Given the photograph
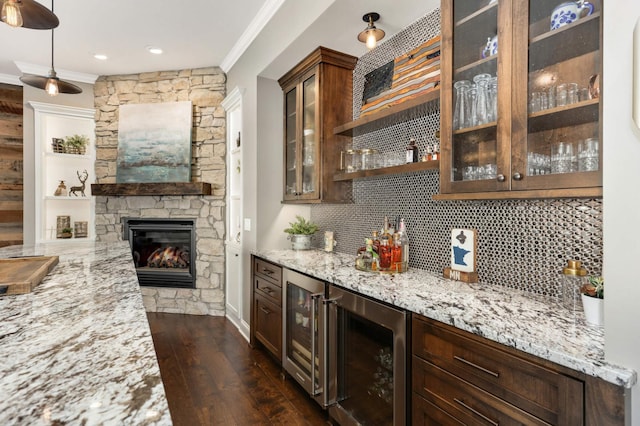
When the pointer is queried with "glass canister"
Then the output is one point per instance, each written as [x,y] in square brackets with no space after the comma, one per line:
[483,104]
[574,275]
[351,160]
[369,158]
[588,157]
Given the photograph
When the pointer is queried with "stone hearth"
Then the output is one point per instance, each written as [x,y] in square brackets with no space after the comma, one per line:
[206,89]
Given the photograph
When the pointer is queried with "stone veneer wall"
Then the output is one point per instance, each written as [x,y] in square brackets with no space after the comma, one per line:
[205,88]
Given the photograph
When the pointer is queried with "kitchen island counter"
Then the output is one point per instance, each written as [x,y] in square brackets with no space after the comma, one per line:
[524,321]
[78,349]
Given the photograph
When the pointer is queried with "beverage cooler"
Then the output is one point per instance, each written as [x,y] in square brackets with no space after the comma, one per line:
[347,351]
[303,332]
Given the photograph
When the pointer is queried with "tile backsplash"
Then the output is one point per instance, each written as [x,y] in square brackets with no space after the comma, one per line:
[522,244]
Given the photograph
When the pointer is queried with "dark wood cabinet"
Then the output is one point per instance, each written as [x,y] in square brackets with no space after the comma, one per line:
[459,377]
[266,306]
[318,95]
[511,154]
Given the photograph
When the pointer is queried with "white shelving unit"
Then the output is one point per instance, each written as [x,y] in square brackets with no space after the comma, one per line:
[58,121]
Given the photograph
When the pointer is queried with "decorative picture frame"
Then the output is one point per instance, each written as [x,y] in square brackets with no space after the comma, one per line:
[464,244]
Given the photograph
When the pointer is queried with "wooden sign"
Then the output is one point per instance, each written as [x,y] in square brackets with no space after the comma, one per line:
[464,244]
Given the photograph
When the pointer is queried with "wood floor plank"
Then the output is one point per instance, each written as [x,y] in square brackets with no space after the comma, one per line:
[213,377]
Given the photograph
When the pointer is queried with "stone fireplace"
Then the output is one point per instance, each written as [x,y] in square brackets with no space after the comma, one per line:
[206,89]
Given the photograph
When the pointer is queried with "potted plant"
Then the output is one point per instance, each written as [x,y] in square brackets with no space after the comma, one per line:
[76,144]
[300,233]
[592,293]
[66,233]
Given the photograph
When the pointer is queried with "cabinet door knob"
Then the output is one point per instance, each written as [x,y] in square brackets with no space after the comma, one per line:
[500,178]
[517,176]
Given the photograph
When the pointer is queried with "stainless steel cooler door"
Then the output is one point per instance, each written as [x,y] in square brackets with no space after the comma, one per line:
[303,332]
[368,360]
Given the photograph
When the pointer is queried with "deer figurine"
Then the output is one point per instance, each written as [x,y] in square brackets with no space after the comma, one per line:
[83,178]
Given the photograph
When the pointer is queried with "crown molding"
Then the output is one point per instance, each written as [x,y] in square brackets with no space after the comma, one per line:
[10,79]
[27,68]
[264,15]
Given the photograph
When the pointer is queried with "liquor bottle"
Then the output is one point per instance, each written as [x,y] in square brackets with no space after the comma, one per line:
[396,253]
[412,151]
[384,253]
[404,241]
[375,241]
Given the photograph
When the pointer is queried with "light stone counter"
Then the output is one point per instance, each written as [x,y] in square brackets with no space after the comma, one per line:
[514,318]
[78,349]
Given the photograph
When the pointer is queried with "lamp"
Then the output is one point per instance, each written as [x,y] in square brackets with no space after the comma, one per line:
[28,14]
[51,83]
[371,35]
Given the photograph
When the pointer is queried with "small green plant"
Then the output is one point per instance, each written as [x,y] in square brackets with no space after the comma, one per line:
[301,227]
[76,143]
[67,230]
[594,287]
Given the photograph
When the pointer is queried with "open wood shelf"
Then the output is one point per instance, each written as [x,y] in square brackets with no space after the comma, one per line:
[142,189]
[405,111]
[403,168]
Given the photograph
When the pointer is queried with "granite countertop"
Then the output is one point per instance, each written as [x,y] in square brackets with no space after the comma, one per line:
[521,320]
[78,349]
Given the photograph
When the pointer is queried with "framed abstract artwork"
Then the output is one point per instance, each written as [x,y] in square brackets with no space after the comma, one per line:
[154,143]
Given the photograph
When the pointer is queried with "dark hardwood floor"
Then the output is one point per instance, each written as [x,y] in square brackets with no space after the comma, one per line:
[213,377]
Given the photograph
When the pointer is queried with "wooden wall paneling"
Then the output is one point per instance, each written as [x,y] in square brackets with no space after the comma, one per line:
[11,165]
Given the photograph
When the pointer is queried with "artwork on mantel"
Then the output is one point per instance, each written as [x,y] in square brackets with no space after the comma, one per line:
[154,143]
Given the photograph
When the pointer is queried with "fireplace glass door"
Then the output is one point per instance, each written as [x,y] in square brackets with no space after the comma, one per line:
[162,251]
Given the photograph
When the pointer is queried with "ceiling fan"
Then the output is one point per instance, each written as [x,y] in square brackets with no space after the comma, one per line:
[28,14]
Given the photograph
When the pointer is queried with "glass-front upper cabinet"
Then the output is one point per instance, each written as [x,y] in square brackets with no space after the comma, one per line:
[520,106]
[317,98]
[474,56]
[560,146]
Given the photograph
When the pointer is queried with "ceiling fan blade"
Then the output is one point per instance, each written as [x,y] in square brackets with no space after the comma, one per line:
[36,16]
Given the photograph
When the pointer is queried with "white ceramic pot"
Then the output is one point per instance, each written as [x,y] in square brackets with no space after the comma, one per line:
[593,310]
[569,12]
[300,242]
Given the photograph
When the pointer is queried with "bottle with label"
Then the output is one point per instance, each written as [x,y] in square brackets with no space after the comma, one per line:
[396,253]
[412,151]
[384,253]
[404,242]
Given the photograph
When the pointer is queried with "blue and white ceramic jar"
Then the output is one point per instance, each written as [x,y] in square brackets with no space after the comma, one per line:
[569,12]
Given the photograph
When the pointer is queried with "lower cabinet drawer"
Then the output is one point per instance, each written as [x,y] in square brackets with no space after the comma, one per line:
[269,289]
[424,413]
[536,389]
[268,324]
[462,401]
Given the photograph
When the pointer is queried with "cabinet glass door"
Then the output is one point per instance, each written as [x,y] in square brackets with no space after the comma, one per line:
[562,145]
[291,146]
[471,110]
[309,137]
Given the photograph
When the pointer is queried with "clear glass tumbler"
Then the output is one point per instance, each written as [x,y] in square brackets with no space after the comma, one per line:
[462,108]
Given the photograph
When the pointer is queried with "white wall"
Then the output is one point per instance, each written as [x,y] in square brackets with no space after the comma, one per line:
[621,194]
[82,100]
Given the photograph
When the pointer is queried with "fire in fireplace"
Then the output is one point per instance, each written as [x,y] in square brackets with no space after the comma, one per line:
[163,250]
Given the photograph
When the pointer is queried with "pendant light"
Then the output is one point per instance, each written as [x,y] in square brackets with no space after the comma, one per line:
[51,83]
[28,14]
[371,35]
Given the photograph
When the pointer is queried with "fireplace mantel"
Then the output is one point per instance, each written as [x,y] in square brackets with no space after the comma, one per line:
[138,189]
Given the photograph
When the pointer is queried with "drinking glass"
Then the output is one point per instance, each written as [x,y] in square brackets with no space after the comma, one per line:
[561,94]
[572,93]
[588,158]
[462,108]
[562,158]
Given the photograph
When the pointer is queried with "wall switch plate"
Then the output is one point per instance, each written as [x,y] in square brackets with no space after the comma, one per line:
[247,224]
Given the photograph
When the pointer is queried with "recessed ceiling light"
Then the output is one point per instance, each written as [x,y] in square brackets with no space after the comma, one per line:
[154,50]
[101,56]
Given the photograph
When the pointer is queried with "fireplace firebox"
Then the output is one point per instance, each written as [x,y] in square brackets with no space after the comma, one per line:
[163,250]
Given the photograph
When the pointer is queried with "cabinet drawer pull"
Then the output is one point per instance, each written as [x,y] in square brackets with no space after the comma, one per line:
[476,412]
[265,310]
[268,289]
[469,363]
[268,271]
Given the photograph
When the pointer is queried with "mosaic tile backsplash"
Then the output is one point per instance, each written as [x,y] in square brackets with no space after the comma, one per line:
[522,244]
